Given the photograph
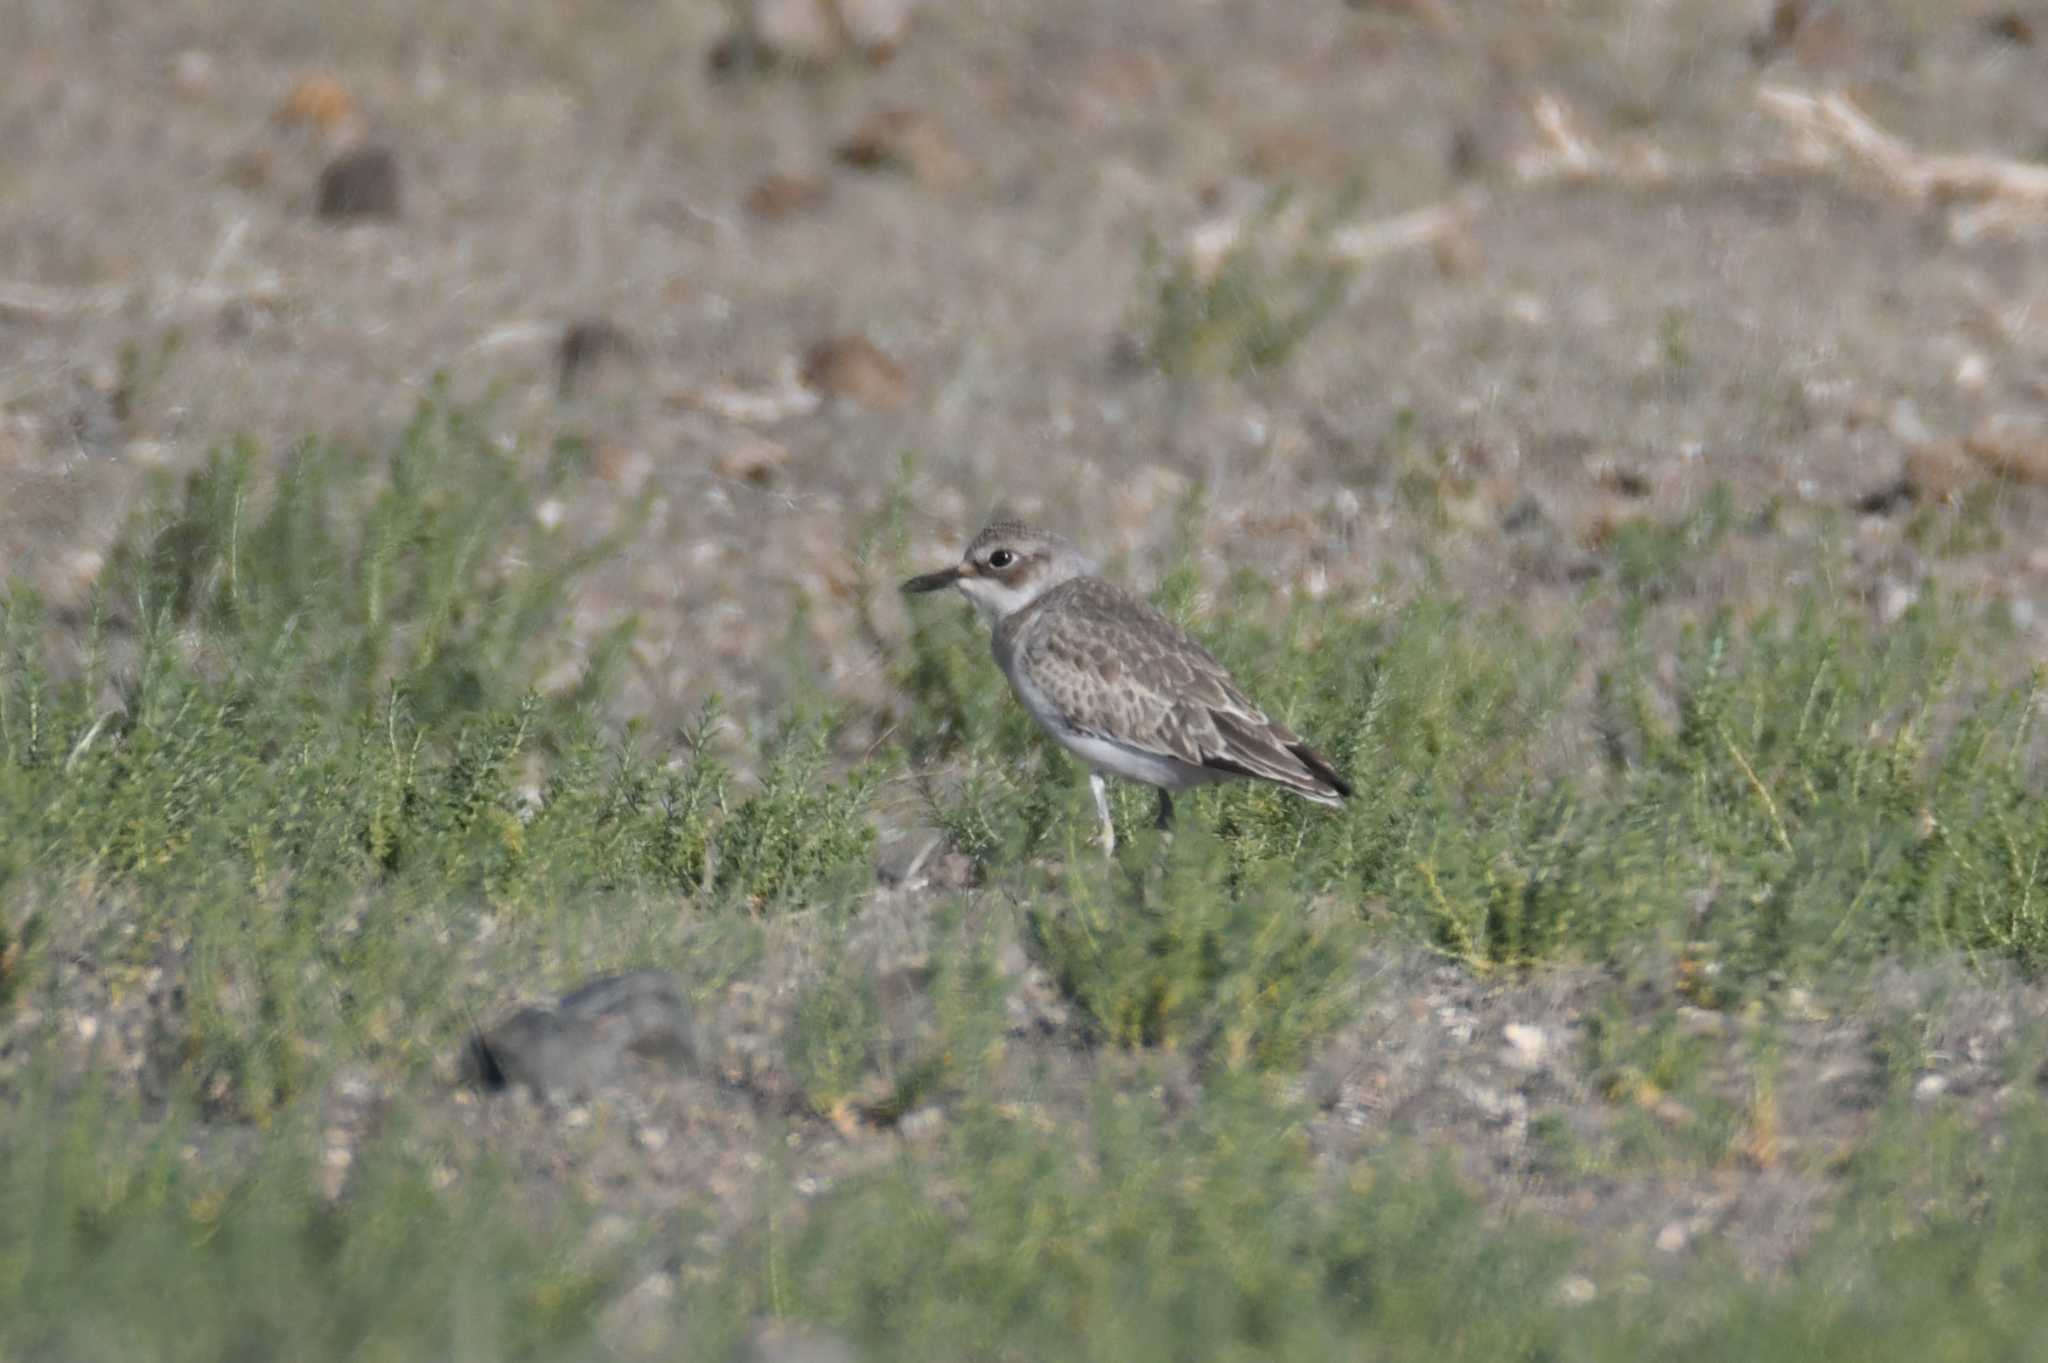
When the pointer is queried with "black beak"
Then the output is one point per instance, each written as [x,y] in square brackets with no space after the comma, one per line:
[934,582]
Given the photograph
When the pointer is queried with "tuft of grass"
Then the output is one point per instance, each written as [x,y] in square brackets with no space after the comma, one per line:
[1139,1236]
[429,574]
[328,767]
[1189,955]
[1252,310]
[114,1244]
[884,1045]
[802,835]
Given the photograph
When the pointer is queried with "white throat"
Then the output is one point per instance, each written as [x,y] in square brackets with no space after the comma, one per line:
[998,600]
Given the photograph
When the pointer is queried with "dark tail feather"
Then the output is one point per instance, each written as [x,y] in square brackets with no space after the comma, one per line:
[1320,769]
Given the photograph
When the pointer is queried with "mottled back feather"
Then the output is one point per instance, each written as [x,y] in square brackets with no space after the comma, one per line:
[1117,669]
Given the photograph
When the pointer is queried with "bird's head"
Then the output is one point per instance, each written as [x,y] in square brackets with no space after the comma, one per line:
[1007,567]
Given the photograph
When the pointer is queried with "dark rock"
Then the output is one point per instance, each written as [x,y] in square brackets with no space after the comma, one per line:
[1525,514]
[855,368]
[360,184]
[2010,26]
[585,345]
[582,1044]
[1883,501]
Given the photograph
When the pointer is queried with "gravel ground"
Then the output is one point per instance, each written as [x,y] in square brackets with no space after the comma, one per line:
[1698,301]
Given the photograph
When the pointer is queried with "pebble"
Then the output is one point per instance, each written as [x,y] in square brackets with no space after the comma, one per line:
[360,184]
[1528,1044]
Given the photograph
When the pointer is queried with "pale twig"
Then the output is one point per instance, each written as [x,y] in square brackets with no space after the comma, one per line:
[26,302]
[1368,241]
[2003,195]
[1564,152]
[789,396]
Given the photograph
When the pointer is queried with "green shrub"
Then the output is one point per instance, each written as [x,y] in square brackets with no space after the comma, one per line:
[1192,958]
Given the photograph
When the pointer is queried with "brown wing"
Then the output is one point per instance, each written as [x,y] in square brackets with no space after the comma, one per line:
[1118,669]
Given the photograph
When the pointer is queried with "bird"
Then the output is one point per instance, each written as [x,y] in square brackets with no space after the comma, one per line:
[1115,682]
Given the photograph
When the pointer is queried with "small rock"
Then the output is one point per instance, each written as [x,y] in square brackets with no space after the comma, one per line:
[876,27]
[1937,471]
[360,184]
[1621,479]
[797,33]
[753,459]
[903,863]
[956,871]
[1577,1290]
[2010,26]
[1698,1021]
[1891,497]
[627,465]
[854,367]
[1973,372]
[807,35]
[903,139]
[192,71]
[587,344]
[581,1045]
[1895,600]
[1929,1087]
[2013,447]
[639,1322]
[1523,515]
[319,102]
[782,196]
[922,1124]
[1527,1045]
[651,1138]
[1816,32]
[1673,1238]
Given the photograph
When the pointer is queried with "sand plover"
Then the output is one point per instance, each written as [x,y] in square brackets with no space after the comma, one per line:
[1116,683]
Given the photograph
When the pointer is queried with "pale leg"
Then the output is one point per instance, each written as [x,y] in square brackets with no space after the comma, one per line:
[1101,789]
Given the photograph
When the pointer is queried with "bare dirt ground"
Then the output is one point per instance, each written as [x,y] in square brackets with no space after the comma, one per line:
[1694,295]
[1697,299]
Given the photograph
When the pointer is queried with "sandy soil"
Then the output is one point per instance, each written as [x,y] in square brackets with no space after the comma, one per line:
[1702,303]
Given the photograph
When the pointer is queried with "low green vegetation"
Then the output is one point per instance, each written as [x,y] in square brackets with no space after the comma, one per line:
[115,1244]
[1139,1236]
[305,787]
[1250,310]
[1773,795]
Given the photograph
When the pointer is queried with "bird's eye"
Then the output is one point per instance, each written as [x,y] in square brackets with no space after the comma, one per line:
[1000,559]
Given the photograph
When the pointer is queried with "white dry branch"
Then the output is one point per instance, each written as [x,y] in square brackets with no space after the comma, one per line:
[1428,226]
[1563,151]
[1987,194]
[167,299]
[786,396]
[1434,225]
